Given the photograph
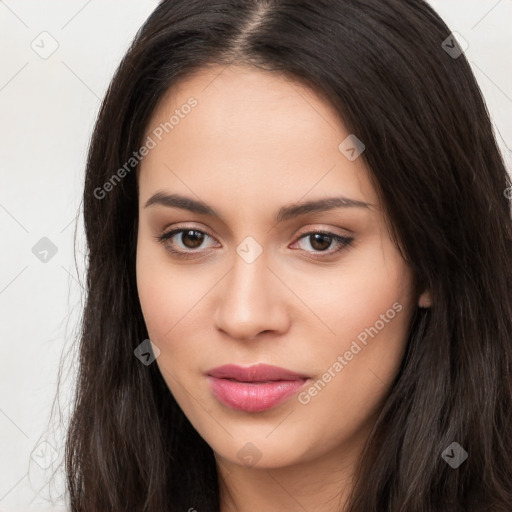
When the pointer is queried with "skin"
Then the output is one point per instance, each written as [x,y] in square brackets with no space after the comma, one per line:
[255,142]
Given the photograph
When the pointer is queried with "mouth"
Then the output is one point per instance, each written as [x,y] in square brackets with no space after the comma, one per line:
[255,388]
[255,373]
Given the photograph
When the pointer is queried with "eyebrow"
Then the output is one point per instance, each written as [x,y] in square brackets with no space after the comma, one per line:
[284,213]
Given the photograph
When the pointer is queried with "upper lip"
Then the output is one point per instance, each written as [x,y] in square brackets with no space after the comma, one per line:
[255,373]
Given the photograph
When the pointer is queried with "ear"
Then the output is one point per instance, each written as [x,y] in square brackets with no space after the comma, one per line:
[425,299]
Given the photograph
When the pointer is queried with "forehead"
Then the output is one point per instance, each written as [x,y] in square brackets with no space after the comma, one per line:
[250,132]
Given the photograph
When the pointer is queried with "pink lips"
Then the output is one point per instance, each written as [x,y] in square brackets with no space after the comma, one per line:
[254,388]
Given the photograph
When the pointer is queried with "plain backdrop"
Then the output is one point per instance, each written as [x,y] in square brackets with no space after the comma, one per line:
[48,105]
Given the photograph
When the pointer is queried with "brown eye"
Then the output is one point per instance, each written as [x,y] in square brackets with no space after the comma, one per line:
[321,241]
[195,237]
[183,245]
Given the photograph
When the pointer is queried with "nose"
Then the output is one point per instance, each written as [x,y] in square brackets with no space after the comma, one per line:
[251,300]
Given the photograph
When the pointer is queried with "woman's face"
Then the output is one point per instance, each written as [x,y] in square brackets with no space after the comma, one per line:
[253,279]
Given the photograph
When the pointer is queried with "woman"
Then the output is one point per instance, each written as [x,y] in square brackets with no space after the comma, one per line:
[299,268]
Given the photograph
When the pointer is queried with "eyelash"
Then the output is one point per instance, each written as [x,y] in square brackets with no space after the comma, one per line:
[164,239]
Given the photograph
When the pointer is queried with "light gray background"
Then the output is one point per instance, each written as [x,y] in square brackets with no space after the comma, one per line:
[48,107]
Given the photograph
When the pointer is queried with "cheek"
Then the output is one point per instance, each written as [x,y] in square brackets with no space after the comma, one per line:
[369,313]
[153,294]
[170,299]
[161,296]
[352,381]
[167,302]
[357,296]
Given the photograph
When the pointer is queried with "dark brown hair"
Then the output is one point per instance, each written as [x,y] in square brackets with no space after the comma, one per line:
[437,169]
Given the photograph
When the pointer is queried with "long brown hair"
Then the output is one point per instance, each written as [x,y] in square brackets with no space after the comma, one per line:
[437,169]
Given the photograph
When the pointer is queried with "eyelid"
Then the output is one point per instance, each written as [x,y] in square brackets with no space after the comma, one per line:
[177,228]
[324,230]
[304,231]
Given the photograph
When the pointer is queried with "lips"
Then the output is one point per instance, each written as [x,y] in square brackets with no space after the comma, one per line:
[256,373]
[255,388]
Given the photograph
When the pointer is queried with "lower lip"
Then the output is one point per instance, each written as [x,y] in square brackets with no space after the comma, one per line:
[253,397]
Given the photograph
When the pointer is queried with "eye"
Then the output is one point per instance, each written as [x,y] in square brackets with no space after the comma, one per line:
[190,239]
[320,241]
